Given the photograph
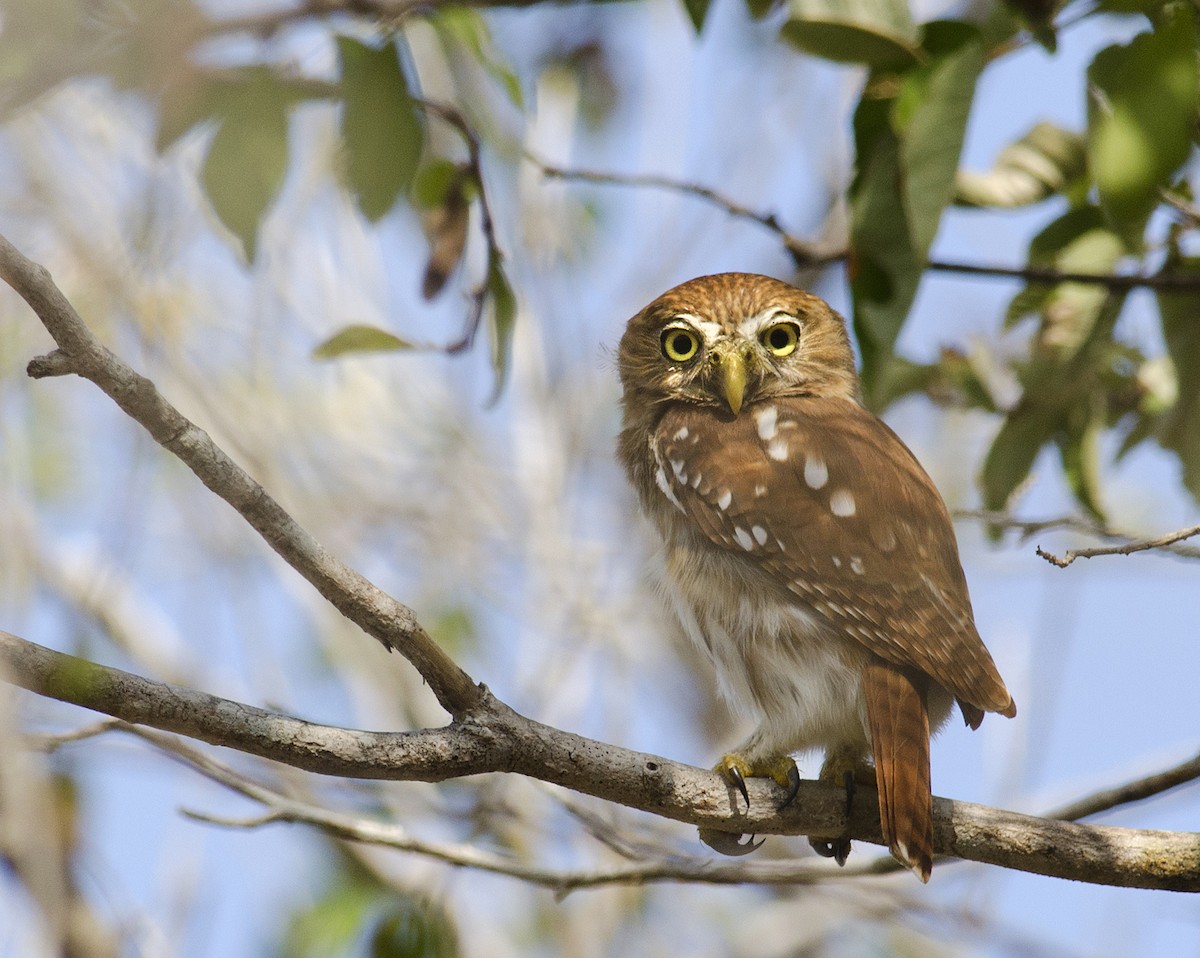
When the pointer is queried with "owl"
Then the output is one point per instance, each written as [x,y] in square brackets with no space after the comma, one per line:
[807,553]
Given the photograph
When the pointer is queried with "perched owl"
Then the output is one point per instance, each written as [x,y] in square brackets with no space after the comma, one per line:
[807,553]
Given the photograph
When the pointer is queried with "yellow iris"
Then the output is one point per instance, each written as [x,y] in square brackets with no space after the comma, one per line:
[780,339]
[680,345]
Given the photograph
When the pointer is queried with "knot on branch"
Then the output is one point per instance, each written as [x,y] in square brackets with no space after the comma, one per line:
[56,363]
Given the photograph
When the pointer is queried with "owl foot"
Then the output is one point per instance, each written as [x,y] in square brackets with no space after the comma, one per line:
[851,769]
[782,771]
[727,843]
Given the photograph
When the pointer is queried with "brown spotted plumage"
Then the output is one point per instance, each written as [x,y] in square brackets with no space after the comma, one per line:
[807,552]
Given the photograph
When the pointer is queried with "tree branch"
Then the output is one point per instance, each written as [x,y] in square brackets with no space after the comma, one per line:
[808,255]
[378,614]
[1136,791]
[1171,538]
[494,738]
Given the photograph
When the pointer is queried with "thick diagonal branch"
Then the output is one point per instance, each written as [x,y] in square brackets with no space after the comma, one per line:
[377,613]
[494,738]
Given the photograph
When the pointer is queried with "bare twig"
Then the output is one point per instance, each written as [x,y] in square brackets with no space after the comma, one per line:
[1136,791]
[493,738]
[1028,528]
[808,255]
[1144,545]
[80,353]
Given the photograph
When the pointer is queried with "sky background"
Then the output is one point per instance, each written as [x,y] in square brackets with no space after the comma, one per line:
[517,513]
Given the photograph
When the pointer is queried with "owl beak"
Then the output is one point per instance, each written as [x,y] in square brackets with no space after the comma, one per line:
[733,379]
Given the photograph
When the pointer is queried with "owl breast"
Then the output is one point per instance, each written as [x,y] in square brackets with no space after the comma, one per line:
[774,659]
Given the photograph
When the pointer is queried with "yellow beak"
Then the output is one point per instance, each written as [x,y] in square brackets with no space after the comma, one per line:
[733,380]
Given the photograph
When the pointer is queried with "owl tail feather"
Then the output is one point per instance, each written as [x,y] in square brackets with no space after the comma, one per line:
[899,723]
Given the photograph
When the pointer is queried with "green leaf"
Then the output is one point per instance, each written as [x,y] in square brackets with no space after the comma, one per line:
[1045,161]
[884,270]
[879,33]
[1013,451]
[696,10]
[502,317]
[1079,447]
[1141,118]
[413,929]
[359,339]
[330,925]
[931,113]
[434,181]
[382,128]
[470,30]
[1180,430]
[247,159]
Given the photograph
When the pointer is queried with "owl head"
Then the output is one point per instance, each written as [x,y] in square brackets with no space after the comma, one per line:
[731,339]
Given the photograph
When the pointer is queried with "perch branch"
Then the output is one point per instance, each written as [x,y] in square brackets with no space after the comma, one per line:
[1128,548]
[80,353]
[494,738]
[1027,528]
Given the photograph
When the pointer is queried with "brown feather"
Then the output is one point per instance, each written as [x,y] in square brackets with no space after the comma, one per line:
[899,723]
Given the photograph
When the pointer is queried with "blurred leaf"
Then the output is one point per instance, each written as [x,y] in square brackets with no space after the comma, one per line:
[468,28]
[382,128]
[1180,430]
[1012,453]
[434,181]
[884,270]
[1141,117]
[445,229]
[1038,17]
[1079,447]
[879,33]
[502,317]
[247,159]
[931,113]
[331,924]
[359,339]
[696,10]
[760,8]
[1045,161]
[413,929]
[454,630]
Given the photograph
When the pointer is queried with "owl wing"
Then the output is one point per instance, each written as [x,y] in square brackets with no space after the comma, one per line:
[824,497]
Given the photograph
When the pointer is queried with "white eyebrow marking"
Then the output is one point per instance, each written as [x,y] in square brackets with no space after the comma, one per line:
[760,534]
[766,418]
[816,473]
[682,434]
[724,499]
[743,538]
[841,503]
[777,449]
[660,476]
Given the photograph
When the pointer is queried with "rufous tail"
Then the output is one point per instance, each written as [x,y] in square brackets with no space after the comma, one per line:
[899,721]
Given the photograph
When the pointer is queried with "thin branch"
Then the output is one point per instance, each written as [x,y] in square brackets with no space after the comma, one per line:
[493,738]
[1162,542]
[1136,791]
[1028,528]
[80,353]
[809,255]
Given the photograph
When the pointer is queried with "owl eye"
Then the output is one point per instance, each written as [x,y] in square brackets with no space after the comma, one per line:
[780,339]
[679,345]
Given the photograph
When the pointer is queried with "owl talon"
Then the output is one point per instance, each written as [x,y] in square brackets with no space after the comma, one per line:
[838,849]
[739,782]
[793,786]
[727,843]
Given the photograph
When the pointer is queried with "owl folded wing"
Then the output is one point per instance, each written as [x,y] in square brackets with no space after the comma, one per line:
[825,498]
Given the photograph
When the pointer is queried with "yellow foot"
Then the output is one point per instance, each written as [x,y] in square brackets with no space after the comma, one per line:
[782,771]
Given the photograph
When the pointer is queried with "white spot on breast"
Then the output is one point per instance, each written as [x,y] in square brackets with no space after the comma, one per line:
[660,477]
[841,503]
[816,473]
[856,565]
[766,418]
[759,491]
[777,449]
[760,534]
[724,498]
[682,434]
[743,538]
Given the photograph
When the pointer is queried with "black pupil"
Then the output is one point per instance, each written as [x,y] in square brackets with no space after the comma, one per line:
[681,344]
[779,338]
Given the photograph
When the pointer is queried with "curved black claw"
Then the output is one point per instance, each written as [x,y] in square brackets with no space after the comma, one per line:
[851,784]
[728,843]
[793,786]
[838,849]
[739,782]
